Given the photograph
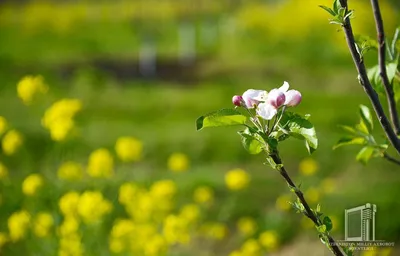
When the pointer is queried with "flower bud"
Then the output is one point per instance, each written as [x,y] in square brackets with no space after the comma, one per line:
[276,98]
[237,100]
[293,98]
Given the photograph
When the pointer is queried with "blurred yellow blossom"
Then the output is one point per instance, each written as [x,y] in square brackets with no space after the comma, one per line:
[71,245]
[69,226]
[247,226]
[155,246]
[101,163]
[328,185]
[31,184]
[127,192]
[282,202]
[308,166]
[3,125]
[237,179]
[312,195]
[163,189]
[70,171]
[29,86]
[3,239]
[92,206]
[203,194]
[269,239]
[122,227]
[116,245]
[18,224]
[178,162]
[251,247]
[3,171]
[214,230]
[129,149]
[58,118]
[11,142]
[190,213]
[42,224]
[175,230]
[68,203]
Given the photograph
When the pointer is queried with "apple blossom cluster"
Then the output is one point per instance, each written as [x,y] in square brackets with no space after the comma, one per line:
[268,103]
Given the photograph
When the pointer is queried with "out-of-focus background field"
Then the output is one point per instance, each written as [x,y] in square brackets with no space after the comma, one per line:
[116,167]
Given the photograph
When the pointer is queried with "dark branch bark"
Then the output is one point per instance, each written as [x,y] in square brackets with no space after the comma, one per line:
[391,159]
[308,212]
[382,66]
[363,78]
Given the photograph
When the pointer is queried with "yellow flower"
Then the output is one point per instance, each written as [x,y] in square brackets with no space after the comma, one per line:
[269,239]
[178,162]
[31,184]
[3,239]
[328,185]
[127,192]
[203,194]
[251,248]
[42,224]
[3,171]
[92,206]
[308,166]
[175,230]
[69,227]
[163,189]
[11,142]
[214,230]
[282,202]
[190,213]
[237,179]
[68,203]
[247,226]
[101,163]
[58,118]
[18,224]
[71,245]
[3,125]
[312,195]
[70,171]
[129,149]
[155,246]
[122,227]
[116,245]
[29,86]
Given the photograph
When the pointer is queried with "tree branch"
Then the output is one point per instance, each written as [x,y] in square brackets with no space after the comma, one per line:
[391,159]
[365,83]
[382,66]
[308,212]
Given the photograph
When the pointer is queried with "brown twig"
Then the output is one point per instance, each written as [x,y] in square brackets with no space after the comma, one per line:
[307,210]
[365,83]
[391,159]
[382,66]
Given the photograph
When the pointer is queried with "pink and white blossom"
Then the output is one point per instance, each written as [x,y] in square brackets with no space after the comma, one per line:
[237,100]
[253,97]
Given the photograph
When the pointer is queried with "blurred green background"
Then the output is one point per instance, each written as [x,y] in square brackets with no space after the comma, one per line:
[148,69]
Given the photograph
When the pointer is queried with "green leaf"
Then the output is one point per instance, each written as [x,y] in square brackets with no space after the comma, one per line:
[328,223]
[365,154]
[366,117]
[321,229]
[329,10]
[375,77]
[300,127]
[251,142]
[349,140]
[223,117]
[318,208]
[349,130]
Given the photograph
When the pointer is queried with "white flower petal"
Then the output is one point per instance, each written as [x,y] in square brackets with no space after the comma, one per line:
[251,97]
[284,87]
[266,111]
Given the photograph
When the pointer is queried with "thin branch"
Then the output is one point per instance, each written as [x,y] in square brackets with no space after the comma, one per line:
[365,83]
[382,66]
[308,212]
[391,159]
